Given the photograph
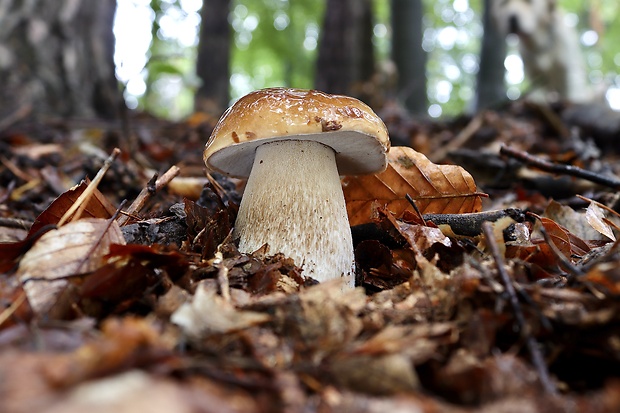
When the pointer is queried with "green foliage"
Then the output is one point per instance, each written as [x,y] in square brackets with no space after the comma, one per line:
[170,79]
[276,44]
[452,34]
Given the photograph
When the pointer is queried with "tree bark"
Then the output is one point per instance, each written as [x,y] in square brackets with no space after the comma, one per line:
[57,57]
[490,88]
[346,56]
[212,66]
[408,54]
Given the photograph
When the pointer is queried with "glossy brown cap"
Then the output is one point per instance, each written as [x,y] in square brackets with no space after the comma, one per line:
[357,135]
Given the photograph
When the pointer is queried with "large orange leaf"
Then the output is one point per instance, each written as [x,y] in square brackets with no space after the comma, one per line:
[436,189]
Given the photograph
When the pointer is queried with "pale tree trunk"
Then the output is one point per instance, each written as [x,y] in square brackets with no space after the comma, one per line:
[212,66]
[57,58]
[346,57]
[491,89]
[408,54]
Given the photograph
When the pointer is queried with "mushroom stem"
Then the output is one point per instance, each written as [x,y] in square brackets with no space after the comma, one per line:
[293,201]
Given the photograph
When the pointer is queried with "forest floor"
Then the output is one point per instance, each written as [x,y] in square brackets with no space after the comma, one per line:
[154,309]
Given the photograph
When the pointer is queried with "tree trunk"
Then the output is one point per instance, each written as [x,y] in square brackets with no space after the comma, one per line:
[57,57]
[346,56]
[490,88]
[212,66]
[408,55]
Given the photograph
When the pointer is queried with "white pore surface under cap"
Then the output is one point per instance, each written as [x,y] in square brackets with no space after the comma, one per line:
[293,201]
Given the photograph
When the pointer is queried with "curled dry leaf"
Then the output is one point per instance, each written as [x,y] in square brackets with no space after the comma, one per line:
[209,313]
[595,216]
[438,189]
[568,244]
[419,237]
[573,220]
[73,249]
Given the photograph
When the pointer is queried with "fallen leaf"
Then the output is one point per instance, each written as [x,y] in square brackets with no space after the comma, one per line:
[124,343]
[594,216]
[10,252]
[73,249]
[420,236]
[382,374]
[208,313]
[438,189]
[573,221]
[477,380]
[97,206]
[569,244]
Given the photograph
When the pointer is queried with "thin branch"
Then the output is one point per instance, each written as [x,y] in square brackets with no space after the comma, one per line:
[8,312]
[15,116]
[531,343]
[459,140]
[570,170]
[15,223]
[154,185]
[415,208]
[573,271]
[97,244]
[78,206]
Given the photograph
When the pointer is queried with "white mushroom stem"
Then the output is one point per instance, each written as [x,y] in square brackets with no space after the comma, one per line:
[293,201]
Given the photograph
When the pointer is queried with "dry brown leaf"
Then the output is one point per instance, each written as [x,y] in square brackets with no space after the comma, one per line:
[419,237]
[569,244]
[572,220]
[97,206]
[209,313]
[437,189]
[383,374]
[595,216]
[73,249]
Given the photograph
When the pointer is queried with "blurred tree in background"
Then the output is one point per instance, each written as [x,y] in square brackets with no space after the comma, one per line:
[408,54]
[56,59]
[277,43]
[346,57]
[213,60]
[60,52]
[490,88]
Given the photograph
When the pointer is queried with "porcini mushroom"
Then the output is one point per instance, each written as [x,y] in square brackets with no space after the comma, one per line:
[293,145]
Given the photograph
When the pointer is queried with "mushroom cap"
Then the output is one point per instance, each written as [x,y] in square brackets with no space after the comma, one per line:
[350,127]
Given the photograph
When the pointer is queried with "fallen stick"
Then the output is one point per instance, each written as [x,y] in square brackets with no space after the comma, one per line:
[570,170]
[151,188]
[79,205]
[532,346]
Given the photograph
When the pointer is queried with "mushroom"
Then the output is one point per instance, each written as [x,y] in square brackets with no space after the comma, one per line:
[293,145]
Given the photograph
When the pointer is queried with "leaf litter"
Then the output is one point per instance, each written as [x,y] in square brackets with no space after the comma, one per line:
[445,318]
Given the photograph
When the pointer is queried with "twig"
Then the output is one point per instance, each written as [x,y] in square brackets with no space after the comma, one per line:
[551,117]
[415,208]
[7,313]
[459,140]
[222,274]
[96,245]
[532,346]
[570,170]
[80,204]
[15,223]
[573,271]
[147,192]
[15,170]
[217,188]
[15,116]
